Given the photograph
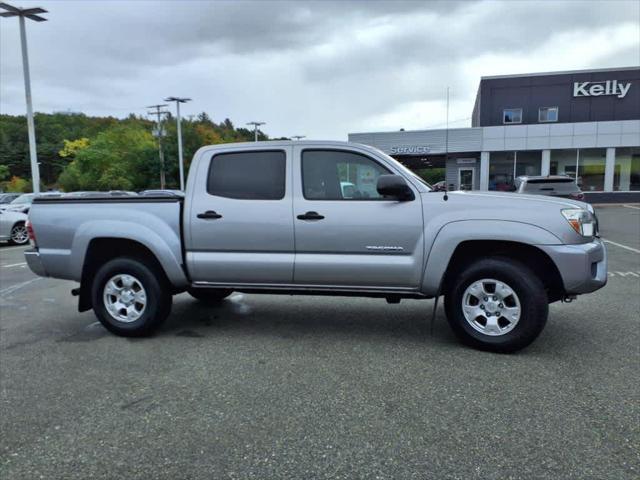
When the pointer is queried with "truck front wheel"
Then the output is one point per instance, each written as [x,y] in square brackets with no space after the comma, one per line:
[497,304]
[130,297]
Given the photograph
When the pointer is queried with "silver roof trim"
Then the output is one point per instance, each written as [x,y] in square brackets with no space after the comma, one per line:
[564,72]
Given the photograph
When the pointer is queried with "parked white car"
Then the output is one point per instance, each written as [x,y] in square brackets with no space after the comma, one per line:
[13,227]
[20,204]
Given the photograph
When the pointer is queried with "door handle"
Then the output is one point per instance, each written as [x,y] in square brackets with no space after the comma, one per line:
[209,215]
[310,216]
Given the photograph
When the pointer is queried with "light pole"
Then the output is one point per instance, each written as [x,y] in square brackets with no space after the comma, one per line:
[30,13]
[255,129]
[298,137]
[178,101]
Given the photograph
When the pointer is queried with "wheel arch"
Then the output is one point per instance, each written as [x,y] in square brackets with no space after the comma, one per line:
[459,243]
[103,249]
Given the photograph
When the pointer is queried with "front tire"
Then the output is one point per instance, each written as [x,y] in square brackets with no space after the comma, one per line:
[130,297]
[19,234]
[497,304]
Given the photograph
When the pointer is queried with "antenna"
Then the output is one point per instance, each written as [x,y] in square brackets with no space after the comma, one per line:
[446,150]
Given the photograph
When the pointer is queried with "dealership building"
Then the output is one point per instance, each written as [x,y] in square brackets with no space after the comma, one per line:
[584,123]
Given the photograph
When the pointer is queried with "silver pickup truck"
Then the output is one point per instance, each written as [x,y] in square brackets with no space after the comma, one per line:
[273,217]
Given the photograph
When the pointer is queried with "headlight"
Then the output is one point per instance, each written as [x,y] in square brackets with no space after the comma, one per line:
[582,221]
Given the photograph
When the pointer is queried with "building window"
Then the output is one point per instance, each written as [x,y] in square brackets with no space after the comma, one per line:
[512,115]
[248,175]
[548,114]
[505,167]
[626,175]
[590,163]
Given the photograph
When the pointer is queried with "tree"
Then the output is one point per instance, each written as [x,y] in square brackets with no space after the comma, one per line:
[4,172]
[72,147]
[120,158]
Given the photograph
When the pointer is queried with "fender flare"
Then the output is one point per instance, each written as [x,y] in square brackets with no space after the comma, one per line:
[163,243]
[452,234]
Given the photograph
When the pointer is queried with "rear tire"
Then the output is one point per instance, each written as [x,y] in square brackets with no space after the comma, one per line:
[497,304]
[210,296]
[130,297]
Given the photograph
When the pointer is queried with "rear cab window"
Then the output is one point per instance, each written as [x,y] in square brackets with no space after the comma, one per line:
[256,175]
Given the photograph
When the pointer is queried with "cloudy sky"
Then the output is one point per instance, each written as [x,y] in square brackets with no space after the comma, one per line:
[320,69]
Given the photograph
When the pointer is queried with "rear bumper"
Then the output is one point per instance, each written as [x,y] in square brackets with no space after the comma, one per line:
[34,261]
[583,267]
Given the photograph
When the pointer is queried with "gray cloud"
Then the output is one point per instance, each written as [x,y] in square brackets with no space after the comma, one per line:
[318,68]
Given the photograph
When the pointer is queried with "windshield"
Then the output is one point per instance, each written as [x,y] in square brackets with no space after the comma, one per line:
[28,198]
[406,170]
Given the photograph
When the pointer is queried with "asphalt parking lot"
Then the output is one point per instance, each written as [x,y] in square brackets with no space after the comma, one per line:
[319,387]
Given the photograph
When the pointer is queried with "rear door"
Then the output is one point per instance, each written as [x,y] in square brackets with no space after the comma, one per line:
[346,233]
[240,221]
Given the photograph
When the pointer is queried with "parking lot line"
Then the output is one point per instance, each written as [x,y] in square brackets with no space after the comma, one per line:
[8,249]
[621,246]
[18,286]
[13,265]
[631,206]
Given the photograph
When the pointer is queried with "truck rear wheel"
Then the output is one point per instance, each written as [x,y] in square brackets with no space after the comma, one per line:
[497,304]
[210,295]
[130,298]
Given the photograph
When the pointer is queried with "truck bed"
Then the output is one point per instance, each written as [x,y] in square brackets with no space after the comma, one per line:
[64,227]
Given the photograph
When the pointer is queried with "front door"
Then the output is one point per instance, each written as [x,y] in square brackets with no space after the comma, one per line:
[240,226]
[346,233]
[465,178]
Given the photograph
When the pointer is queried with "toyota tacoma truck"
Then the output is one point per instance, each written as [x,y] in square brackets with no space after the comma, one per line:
[273,217]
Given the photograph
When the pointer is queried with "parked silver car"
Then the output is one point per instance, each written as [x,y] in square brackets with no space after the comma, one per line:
[6,198]
[552,185]
[13,227]
[20,204]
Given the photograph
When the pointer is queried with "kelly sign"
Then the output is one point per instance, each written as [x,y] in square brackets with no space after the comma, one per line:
[596,89]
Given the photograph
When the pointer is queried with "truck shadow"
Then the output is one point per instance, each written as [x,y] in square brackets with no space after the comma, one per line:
[297,316]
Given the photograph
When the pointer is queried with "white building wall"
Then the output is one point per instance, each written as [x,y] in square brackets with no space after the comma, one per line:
[544,137]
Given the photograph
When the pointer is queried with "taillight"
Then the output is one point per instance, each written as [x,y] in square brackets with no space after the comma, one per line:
[32,235]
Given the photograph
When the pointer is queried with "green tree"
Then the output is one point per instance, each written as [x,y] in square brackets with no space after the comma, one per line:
[4,172]
[122,157]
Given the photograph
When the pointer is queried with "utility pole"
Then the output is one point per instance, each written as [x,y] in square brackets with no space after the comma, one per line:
[255,129]
[30,13]
[159,132]
[300,137]
[178,101]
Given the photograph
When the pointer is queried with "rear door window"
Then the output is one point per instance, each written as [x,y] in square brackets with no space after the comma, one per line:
[258,175]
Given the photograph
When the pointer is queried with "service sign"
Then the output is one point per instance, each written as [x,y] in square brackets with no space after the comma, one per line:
[410,149]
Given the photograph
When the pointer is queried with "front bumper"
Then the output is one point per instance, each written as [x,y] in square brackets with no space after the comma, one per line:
[34,261]
[583,267]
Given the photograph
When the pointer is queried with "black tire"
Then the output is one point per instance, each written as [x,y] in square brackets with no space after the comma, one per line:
[18,228]
[158,296]
[210,296]
[523,281]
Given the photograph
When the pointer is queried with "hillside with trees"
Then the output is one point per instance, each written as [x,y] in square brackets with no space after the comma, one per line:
[78,152]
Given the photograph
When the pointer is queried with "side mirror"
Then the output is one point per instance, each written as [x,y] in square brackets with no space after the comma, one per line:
[394,186]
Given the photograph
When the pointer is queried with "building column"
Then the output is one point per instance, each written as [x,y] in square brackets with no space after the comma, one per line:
[609,169]
[545,167]
[484,170]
